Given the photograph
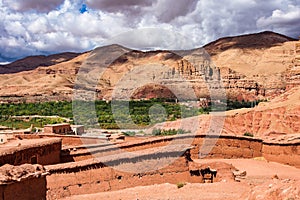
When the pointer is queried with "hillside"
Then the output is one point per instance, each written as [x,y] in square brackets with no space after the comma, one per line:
[249,67]
[32,62]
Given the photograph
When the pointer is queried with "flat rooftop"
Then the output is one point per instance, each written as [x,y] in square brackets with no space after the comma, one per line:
[53,125]
[17,145]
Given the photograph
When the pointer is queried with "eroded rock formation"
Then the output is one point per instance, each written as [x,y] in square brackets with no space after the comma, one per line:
[257,66]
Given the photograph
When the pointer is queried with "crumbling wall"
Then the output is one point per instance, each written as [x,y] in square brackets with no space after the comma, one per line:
[25,182]
[43,152]
[288,154]
[219,147]
[99,179]
[67,140]
[119,171]
[223,146]
[30,189]
[226,147]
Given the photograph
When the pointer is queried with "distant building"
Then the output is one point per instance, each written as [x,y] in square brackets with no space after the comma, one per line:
[63,129]
[77,129]
[3,138]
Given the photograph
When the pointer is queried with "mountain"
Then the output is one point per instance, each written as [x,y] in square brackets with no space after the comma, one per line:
[248,67]
[32,62]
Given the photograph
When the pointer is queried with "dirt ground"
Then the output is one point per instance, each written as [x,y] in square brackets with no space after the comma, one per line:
[264,180]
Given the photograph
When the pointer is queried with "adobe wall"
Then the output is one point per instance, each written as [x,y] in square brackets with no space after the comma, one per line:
[25,182]
[58,128]
[46,151]
[67,140]
[99,179]
[221,147]
[29,189]
[91,176]
[226,147]
[288,154]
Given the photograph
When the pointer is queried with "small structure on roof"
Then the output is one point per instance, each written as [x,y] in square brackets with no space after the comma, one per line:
[78,129]
[3,138]
[63,129]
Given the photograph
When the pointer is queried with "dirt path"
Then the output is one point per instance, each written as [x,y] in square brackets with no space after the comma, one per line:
[216,191]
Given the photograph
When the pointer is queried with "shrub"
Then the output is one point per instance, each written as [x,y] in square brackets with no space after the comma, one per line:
[156,132]
[180,185]
[129,133]
[160,132]
[248,134]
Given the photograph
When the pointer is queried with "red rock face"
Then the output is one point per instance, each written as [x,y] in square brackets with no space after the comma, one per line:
[276,189]
[263,123]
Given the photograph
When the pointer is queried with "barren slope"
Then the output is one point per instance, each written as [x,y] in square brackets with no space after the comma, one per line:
[255,66]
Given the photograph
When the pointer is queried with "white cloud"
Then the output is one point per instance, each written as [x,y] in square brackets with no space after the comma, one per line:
[284,20]
[37,27]
[152,38]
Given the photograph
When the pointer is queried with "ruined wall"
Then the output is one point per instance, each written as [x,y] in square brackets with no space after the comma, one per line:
[147,167]
[67,140]
[25,182]
[226,147]
[107,174]
[80,181]
[30,189]
[219,147]
[288,154]
[44,153]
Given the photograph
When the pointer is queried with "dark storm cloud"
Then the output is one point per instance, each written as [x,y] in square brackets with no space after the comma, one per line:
[119,6]
[167,10]
[38,5]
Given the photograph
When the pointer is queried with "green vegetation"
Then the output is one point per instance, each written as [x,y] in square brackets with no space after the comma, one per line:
[141,113]
[231,105]
[129,133]
[160,132]
[63,109]
[138,112]
[180,185]
[248,134]
[25,123]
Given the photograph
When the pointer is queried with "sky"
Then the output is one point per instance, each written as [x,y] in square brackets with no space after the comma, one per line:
[35,27]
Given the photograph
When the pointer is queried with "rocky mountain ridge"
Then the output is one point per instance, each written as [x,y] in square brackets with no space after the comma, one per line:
[249,67]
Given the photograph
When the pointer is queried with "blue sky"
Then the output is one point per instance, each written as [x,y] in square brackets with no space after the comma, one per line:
[32,27]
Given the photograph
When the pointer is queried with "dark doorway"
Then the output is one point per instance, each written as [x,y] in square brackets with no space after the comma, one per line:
[33,160]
